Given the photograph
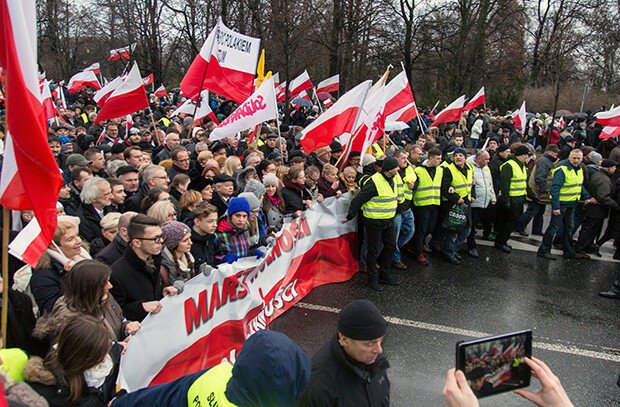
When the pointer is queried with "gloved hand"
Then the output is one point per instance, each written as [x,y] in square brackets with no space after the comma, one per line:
[230,258]
[179,285]
[206,269]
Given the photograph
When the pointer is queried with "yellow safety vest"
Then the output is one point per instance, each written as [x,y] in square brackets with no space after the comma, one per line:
[462,184]
[573,182]
[165,121]
[209,389]
[410,176]
[84,117]
[429,189]
[518,181]
[260,142]
[382,206]
[14,360]
[377,151]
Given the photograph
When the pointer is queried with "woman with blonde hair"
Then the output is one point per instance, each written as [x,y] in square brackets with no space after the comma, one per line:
[163,211]
[188,202]
[232,165]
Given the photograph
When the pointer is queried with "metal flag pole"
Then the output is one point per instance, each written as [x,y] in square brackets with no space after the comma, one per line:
[5,271]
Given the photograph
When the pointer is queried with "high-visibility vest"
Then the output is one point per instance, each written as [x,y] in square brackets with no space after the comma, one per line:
[382,206]
[429,189]
[462,184]
[410,176]
[84,117]
[165,121]
[210,388]
[573,182]
[260,142]
[518,181]
[377,150]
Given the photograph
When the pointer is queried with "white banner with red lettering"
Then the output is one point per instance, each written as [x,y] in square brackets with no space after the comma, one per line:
[211,319]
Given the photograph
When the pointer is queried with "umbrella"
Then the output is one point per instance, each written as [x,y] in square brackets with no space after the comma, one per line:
[579,116]
[530,116]
[301,102]
[563,113]
[390,126]
[323,95]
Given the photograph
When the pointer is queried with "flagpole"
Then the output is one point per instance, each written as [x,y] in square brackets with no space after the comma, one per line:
[154,126]
[316,97]
[5,272]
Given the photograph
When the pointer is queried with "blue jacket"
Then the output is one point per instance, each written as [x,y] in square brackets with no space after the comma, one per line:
[271,370]
[558,181]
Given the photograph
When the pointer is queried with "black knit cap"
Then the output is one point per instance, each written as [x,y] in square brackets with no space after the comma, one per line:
[389,163]
[361,320]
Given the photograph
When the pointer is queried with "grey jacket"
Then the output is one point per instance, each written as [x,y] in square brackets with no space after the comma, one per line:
[540,181]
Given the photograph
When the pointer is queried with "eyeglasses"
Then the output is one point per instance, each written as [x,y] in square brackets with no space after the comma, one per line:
[162,177]
[172,214]
[156,239]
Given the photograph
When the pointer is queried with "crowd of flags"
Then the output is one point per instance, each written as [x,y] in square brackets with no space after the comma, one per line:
[227,64]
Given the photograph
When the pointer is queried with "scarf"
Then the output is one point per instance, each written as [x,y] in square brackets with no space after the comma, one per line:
[274,200]
[293,186]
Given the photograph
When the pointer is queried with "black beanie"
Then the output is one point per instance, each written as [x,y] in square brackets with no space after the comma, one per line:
[361,320]
[503,147]
[521,150]
[389,163]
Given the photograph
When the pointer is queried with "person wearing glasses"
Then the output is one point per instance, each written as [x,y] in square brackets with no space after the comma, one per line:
[136,282]
[153,176]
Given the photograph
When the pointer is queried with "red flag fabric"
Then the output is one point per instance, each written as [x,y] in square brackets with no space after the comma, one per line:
[452,113]
[281,92]
[83,80]
[30,176]
[104,93]
[148,80]
[609,117]
[331,84]
[122,53]
[128,98]
[161,92]
[476,101]
[96,68]
[520,116]
[399,105]
[337,120]
[609,132]
[49,107]
[299,84]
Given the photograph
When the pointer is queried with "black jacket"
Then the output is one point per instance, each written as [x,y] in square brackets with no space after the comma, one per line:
[337,380]
[219,203]
[294,199]
[22,322]
[204,249]
[46,285]
[90,229]
[113,251]
[133,283]
[133,203]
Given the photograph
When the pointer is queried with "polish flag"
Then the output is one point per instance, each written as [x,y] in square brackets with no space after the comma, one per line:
[609,118]
[399,105]
[59,93]
[260,107]
[128,98]
[299,84]
[331,84]
[476,101]
[104,93]
[148,80]
[189,107]
[122,53]
[452,113]
[304,95]
[95,68]
[520,116]
[161,92]
[83,80]
[340,119]
[372,120]
[609,132]
[225,65]
[281,92]
[276,79]
[30,176]
[48,102]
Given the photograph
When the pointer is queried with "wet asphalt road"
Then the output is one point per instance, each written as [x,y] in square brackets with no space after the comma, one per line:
[575,331]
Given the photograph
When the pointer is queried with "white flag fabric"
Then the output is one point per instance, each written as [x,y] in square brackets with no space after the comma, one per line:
[260,107]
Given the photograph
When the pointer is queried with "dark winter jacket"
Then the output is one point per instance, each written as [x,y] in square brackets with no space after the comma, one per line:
[46,282]
[220,204]
[602,187]
[204,249]
[113,251]
[90,229]
[294,196]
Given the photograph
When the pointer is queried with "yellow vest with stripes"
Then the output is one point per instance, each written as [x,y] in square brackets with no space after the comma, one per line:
[410,176]
[209,389]
[462,184]
[382,206]
[518,181]
[573,182]
[429,189]
[84,117]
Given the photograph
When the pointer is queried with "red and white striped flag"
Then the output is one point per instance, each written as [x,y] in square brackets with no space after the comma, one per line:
[49,107]
[476,101]
[161,92]
[281,92]
[122,53]
[299,84]
[148,79]
[609,118]
[96,68]
[399,105]
[82,80]
[128,98]
[520,116]
[226,65]
[30,176]
[609,132]
[104,93]
[331,84]
[199,112]
[452,113]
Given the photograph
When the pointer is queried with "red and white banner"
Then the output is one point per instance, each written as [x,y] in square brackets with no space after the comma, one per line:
[122,53]
[399,105]
[214,315]
[128,98]
[520,116]
[341,118]
[49,107]
[331,84]
[148,80]
[260,107]
[476,101]
[161,92]
[96,68]
[299,84]
[609,132]
[225,65]
[198,112]
[610,117]
[102,95]
[452,113]
[30,176]
[83,80]
[281,92]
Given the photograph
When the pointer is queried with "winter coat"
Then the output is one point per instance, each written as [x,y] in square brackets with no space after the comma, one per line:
[135,282]
[113,251]
[46,282]
[90,229]
[294,196]
[338,381]
[19,392]
[539,181]
[325,188]
[483,183]
[177,269]
[220,204]
[602,187]
[22,321]
[233,240]
[273,216]
[134,202]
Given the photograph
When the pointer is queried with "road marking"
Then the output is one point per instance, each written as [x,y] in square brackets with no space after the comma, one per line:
[518,245]
[609,354]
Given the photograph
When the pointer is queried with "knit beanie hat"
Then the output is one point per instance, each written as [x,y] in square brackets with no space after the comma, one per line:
[270,179]
[607,163]
[252,200]
[256,188]
[361,320]
[596,158]
[502,147]
[238,205]
[521,150]
[460,150]
[389,163]
[173,232]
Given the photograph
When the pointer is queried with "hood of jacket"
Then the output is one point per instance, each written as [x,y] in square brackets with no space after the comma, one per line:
[36,372]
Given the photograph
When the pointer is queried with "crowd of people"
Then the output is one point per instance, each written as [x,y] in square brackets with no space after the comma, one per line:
[146,204]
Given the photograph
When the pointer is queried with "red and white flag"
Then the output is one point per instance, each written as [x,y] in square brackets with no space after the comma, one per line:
[520,116]
[128,98]
[452,113]
[226,65]
[148,79]
[102,95]
[609,132]
[198,112]
[299,84]
[49,107]
[399,105]
[331,84]
[281,92]
[338,120]
[96,68]
[260,107]
[609,118]
[161,92]
[476,101]
[30,176]
[304,95]
[83,80]
[276,79]
[122,53]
